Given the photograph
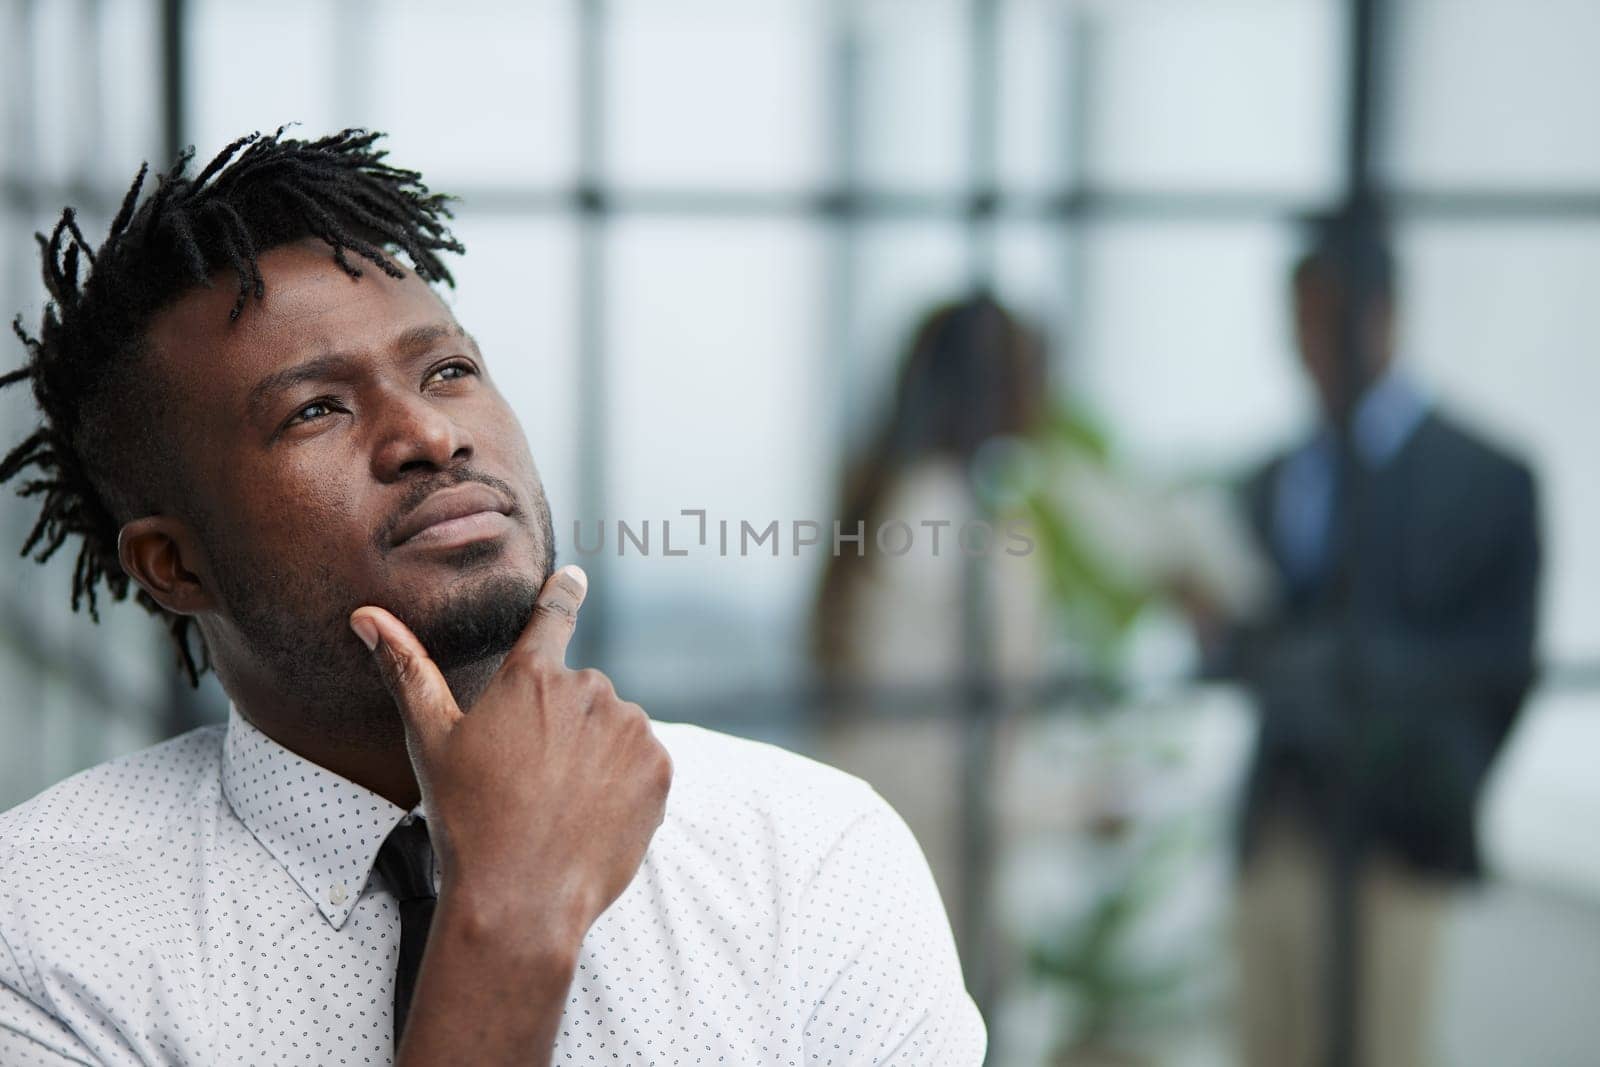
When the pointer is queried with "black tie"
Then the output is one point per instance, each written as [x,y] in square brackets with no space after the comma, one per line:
[406,863]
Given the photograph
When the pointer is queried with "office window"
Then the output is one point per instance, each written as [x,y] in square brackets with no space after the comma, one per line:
[476,96]
[1499,319]
[716,95]
[1493,95]
[912,86]
[516,292]
[713,403]
[1231,96]
[309,59]
[1186,348]
[701,234]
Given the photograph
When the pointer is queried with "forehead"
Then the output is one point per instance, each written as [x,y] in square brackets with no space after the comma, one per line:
[310,305]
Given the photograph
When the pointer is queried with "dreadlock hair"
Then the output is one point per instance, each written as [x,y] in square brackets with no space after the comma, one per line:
[99,456]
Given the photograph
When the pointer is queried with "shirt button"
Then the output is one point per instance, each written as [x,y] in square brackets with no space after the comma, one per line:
[336,894]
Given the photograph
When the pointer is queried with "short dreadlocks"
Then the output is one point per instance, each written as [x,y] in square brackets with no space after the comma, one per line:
[99,456]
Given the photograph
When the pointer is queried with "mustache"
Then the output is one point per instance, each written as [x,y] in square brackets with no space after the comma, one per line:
[420,491]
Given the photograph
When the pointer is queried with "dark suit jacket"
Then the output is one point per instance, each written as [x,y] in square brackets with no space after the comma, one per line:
[1388,727]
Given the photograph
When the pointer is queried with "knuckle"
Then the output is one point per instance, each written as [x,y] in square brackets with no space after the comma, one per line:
[569,588]
[529,669]
[657,771]
[594,684]
[556,611]
[517,670]
[407,671]
[632,717]
[663,771]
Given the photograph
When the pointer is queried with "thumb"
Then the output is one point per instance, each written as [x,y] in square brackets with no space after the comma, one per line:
[409,673]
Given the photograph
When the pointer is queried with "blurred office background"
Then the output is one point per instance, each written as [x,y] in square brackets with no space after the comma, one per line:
[701,234]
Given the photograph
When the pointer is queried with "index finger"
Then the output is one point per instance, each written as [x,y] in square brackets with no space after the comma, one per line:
[555,614]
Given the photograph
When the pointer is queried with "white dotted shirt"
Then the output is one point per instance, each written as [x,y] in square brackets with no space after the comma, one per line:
[211,900]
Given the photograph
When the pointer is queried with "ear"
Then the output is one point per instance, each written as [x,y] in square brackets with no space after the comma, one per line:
[160,553]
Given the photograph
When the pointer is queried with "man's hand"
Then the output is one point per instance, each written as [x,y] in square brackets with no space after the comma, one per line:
[541,803]
[551,788]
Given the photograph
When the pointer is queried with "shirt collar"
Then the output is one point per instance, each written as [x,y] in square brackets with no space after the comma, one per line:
[1388,414]
[1390,411]
[324,829]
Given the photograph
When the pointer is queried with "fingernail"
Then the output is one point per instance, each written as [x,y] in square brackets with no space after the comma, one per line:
[365,630]
[577,575]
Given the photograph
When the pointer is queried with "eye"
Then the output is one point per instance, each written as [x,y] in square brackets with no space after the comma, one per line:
[317,409]
[453,371]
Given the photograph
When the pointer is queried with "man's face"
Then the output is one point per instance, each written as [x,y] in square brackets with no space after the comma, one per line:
[344,445]
[1319,310]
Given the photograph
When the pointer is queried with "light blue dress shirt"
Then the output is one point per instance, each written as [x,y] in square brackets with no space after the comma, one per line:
[1385,419]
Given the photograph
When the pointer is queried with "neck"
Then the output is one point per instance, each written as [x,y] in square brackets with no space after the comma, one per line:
[359,736]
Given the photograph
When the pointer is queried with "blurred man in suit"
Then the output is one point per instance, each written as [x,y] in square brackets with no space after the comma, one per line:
[1387,677]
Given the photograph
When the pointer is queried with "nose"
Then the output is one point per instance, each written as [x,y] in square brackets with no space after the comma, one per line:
[417,434]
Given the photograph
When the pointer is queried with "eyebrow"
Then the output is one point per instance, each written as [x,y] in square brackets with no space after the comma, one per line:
[340,364]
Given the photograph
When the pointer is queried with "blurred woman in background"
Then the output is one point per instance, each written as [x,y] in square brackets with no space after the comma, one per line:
[974,433]
[973,378]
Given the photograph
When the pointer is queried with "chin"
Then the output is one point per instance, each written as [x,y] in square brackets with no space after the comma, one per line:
[475,620]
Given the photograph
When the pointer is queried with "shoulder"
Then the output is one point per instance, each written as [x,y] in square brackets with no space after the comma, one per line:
[74,855]
[1462,454]
[756,813]
[124,799]
[1447,435]
[813,877]
[724,773]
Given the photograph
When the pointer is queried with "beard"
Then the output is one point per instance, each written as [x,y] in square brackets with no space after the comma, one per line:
[479,622]
[294,620]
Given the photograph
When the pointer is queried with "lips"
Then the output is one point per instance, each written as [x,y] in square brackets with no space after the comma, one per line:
[457,502]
